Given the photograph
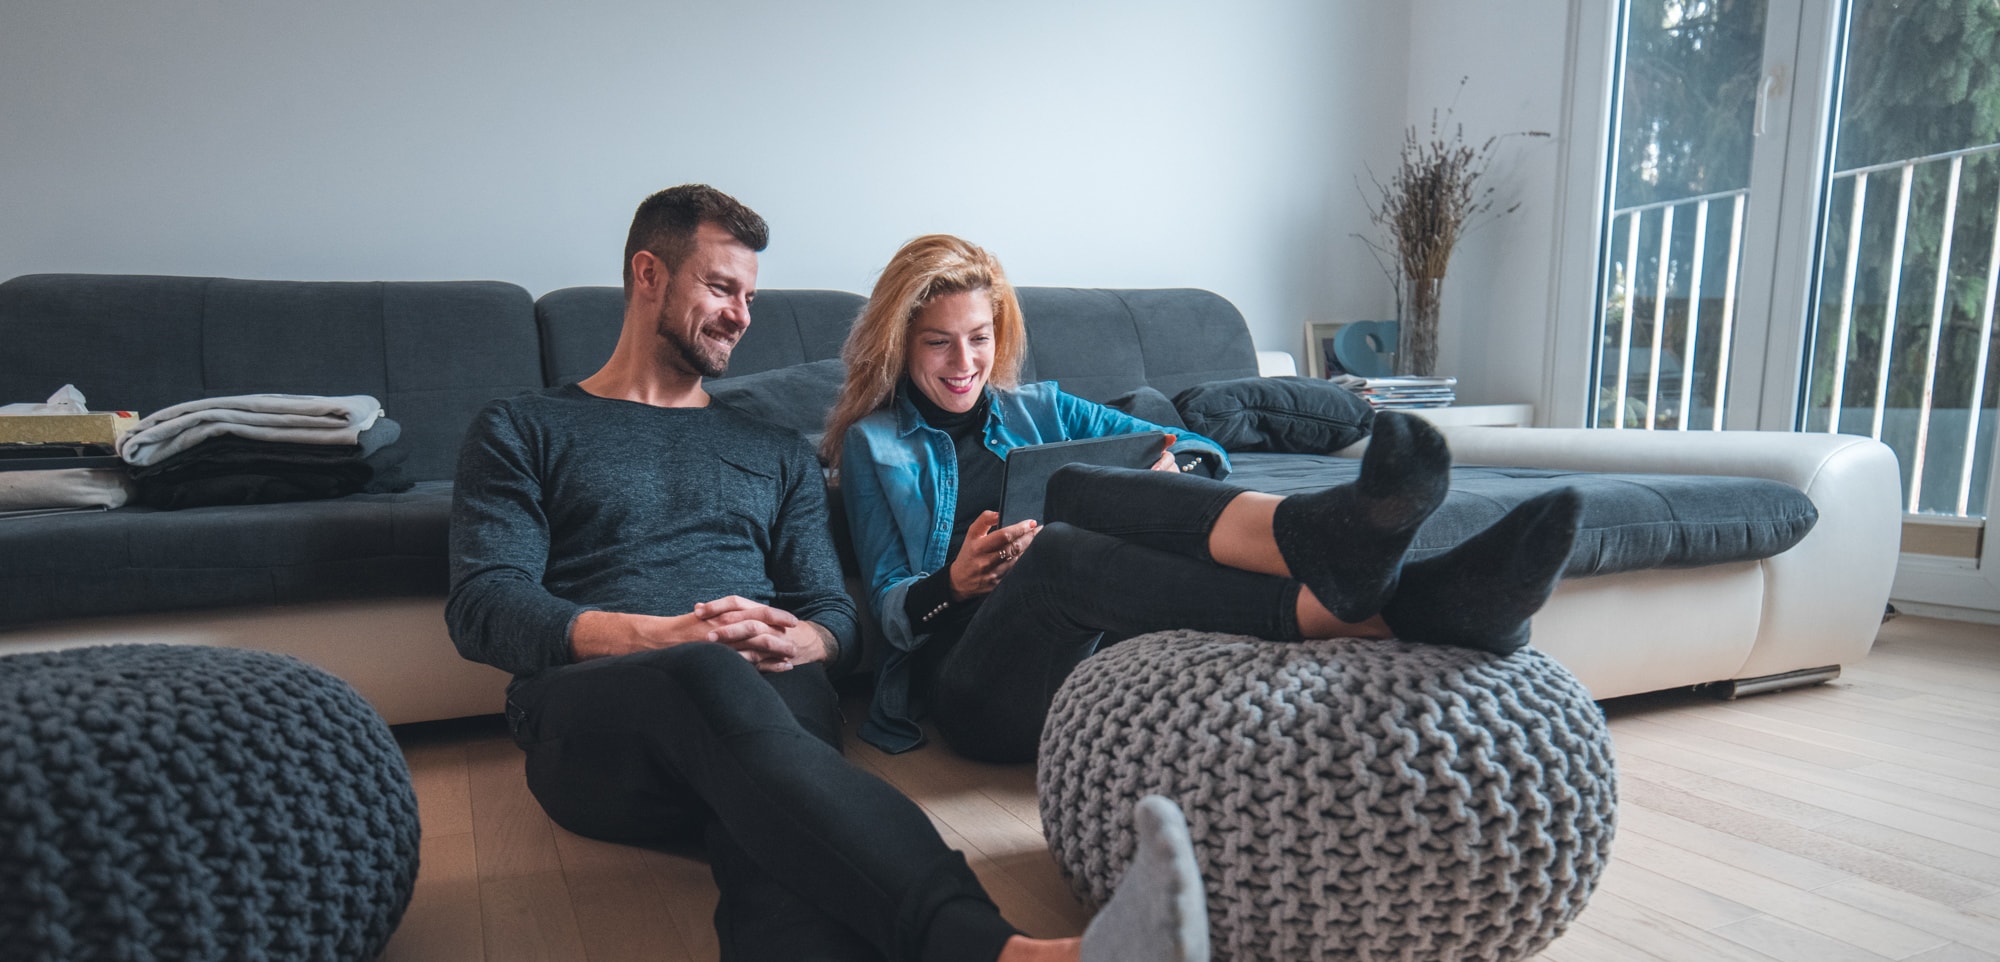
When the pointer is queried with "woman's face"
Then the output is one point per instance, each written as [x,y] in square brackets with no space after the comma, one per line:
[951,349]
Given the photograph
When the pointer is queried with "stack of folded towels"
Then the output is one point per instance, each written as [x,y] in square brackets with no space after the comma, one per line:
[263,448]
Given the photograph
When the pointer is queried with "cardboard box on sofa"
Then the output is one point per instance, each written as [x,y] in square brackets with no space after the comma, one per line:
[96,428]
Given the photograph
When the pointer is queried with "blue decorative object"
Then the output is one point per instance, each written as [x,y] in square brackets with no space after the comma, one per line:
[1366,348]
[188,803]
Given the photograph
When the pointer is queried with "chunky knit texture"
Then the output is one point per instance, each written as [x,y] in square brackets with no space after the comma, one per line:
[1367,800]
[171,802]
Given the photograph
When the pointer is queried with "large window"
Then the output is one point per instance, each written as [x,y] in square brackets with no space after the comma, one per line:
[1687,112]
[1903,317]
[1802,228]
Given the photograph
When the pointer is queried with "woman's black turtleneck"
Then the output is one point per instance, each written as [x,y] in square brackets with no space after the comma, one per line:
[979,484]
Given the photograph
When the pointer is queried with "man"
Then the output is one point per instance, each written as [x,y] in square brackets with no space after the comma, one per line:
[656,572]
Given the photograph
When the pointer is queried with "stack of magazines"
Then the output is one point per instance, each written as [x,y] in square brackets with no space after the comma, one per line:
[1390,393]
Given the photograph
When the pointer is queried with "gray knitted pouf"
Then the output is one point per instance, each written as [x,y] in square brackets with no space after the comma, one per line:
[1348,799]
[166,802]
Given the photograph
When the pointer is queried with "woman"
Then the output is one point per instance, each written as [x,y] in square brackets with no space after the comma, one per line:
[985,622]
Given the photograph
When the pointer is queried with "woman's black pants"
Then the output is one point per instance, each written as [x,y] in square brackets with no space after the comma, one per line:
[1123,553]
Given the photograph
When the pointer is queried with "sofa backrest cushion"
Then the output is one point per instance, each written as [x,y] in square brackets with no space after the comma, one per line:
[433,352]
[796,396]
[1098,343]
[579,327]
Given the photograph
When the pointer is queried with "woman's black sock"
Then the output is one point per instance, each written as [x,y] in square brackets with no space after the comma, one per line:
[1482,593]
[1346,543]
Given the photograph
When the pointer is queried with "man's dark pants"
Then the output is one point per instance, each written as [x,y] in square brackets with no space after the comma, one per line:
[815,858]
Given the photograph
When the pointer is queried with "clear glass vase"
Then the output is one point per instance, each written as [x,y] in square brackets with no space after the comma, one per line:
[1417,334]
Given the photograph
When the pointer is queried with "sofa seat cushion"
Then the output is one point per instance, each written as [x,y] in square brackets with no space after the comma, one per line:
[1630,522]
[138,559]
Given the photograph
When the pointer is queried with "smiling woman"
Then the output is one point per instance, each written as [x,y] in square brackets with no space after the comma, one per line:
[938,351]
[985,621]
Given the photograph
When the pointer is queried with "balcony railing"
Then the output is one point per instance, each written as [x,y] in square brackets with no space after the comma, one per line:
[1673,315]
[1883,361]
[1922,448]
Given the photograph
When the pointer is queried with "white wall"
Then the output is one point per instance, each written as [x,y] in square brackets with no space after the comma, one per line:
[1106,144]
[1501,292]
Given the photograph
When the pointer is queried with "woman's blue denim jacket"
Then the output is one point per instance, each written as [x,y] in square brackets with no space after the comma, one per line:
[899,482]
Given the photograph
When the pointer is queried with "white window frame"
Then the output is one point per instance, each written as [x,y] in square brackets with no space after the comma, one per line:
[1765,377]
[1778,230]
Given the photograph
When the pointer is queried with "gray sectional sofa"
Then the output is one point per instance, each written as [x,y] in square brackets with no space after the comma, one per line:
[356,584]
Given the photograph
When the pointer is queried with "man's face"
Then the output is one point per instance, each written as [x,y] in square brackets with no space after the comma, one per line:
[706,307]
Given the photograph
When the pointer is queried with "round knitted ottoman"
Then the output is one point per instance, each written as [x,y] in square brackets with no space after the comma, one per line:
[1347,799]
[170,802]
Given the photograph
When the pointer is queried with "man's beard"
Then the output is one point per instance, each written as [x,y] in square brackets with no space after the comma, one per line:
[705,363]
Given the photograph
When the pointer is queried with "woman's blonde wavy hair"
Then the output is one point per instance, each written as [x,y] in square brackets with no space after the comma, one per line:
[878,347]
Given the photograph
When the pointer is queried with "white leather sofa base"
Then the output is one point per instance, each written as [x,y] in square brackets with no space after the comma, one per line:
[394,651]
[1818,604]
[1638,631]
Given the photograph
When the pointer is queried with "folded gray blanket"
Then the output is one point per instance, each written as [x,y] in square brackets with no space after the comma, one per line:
[285,418]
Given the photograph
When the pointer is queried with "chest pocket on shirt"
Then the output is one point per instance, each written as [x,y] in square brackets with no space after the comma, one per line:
[747,495]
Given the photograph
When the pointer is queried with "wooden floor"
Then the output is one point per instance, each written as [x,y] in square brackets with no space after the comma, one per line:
[1853,821]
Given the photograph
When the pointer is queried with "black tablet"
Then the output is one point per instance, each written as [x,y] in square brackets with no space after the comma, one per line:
[1026,473]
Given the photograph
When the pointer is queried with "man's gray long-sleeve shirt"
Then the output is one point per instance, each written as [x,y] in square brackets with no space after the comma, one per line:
[566,502]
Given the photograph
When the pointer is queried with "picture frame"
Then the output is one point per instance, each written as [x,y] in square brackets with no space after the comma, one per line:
[1321,362]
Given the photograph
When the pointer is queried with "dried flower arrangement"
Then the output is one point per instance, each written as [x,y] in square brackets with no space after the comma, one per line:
[1431,200]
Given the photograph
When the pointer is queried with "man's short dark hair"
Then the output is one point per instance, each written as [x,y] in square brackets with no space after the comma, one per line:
[665,224]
